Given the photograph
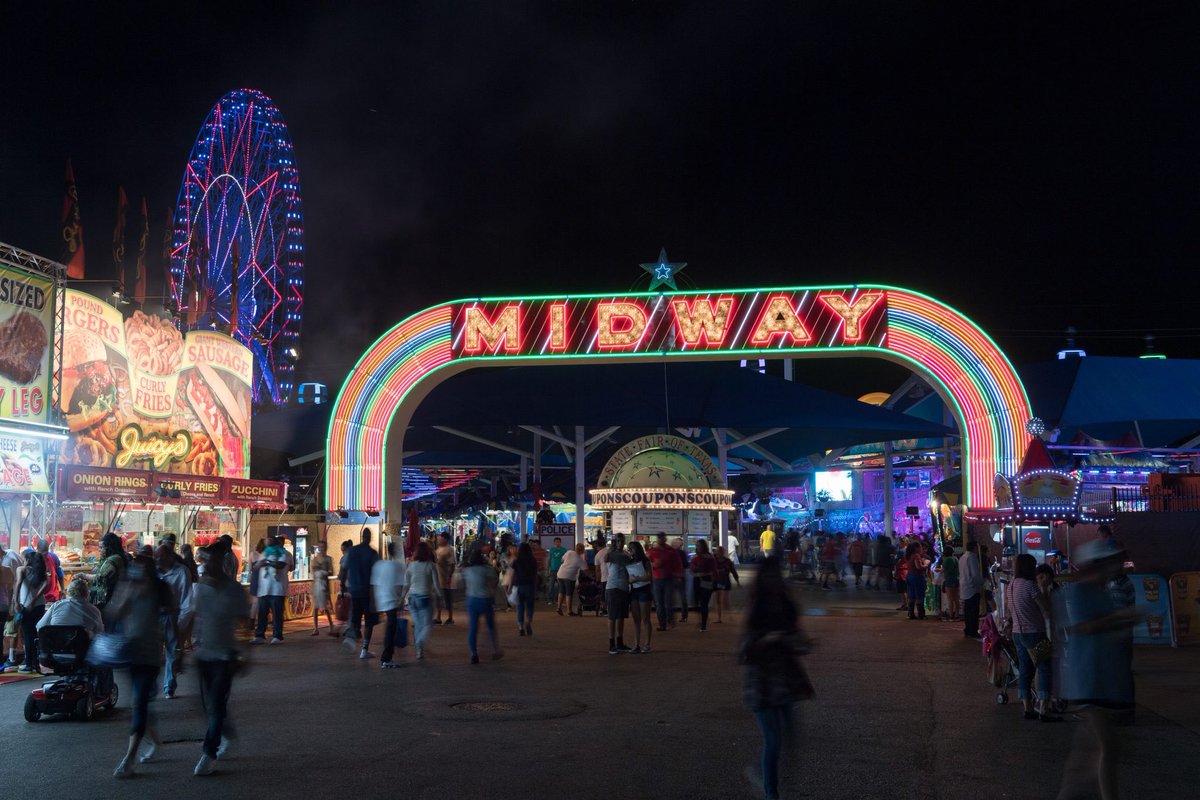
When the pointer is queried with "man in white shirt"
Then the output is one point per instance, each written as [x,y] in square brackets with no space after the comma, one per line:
[272,590]
[970,578]
[387,584]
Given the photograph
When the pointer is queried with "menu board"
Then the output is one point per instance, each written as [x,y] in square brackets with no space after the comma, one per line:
[654,521]
[138,394]
[26,322]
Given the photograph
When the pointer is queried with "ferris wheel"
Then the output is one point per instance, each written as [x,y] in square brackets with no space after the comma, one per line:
[237,252]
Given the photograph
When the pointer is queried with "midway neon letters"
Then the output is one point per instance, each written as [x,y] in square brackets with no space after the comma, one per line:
[687,499]
[700,322]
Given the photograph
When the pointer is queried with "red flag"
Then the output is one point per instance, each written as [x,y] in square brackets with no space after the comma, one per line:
[189,283]
[72,229]
[119,238]
[139,272]
[234,303]
[168,278]
[202,293]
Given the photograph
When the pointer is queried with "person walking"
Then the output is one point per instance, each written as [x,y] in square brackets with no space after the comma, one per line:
[387,582]
[616,595]
[766,542]
[253,566]
[1030,608]
[704,569]
[829,558]
[918,573]
[858,556]
[479,580]
[422,583]
[221,607]
[555,557]
[444,560]
[174,573]
[679,578]
[321,567]
[950,583]
[525,571]
[640,594]
[1097,675]
[663,566]
[273,568]
[971,588]
[187,556]
[31,605]
[726,571]
[139,604]
[773,679]
[574,562]
[358,564]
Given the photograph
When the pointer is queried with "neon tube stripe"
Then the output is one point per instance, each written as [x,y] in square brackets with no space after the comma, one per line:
[987,397]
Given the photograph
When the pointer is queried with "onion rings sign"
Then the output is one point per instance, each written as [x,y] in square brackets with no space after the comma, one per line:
[664,498]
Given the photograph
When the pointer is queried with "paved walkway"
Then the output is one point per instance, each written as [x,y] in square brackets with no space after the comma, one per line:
[903,711]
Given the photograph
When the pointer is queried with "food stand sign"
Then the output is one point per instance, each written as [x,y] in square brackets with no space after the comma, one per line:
[138,394]
[26,322]
[22,465]
[91,483]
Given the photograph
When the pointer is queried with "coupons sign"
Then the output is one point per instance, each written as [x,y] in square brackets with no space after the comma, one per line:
[138,394]
[26,319]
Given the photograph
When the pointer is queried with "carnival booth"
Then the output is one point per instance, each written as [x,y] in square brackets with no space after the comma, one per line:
[663,484]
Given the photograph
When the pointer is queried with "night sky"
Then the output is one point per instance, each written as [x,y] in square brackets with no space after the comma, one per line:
[1033,164]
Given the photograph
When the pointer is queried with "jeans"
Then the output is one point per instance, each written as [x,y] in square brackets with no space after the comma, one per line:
[216,679]
[389,636]
[143,677]
[703,596]
[663,591]
[1025,642]
[970,610]
[422,613]
[360,610]
[775,724]
[480,607]
[29,620]
[272,603]
[170,645]
[681,590]
[525,595]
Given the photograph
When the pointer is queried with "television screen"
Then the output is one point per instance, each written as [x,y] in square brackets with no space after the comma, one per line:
[838,484]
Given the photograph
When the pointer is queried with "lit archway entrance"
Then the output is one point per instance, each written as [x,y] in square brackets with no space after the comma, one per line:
[973,376]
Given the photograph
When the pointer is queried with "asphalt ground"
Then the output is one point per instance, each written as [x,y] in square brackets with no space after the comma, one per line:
[903,710]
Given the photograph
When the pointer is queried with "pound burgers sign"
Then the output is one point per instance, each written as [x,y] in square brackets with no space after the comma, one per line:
[956,356]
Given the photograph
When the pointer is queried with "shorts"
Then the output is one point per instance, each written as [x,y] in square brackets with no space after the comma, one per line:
[641,594]
[722,586]
[617,601]
[565,587]
[950,583]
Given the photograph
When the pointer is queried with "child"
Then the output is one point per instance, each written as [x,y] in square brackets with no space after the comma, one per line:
[276,552]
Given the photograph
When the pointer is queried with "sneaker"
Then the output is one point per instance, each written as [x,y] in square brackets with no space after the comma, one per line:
[365,654]
[223,748]
[168,694]
[258,640]
[637,650]
[520,631]
[124,769]
[349,644]
[8,666]
[275,640]
[150,754]
[389,665]
[560,612]
[474,659]
[529,630]
[204,766]
[624,648]
[612,651]
[315,632]
[24,670]
[420,654]
[645,648]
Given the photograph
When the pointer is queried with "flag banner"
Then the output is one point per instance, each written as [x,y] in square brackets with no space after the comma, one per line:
[72,229]
[118,246]
[234,307]
[139,272]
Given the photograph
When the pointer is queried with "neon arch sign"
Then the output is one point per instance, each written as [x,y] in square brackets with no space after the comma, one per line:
[960,361]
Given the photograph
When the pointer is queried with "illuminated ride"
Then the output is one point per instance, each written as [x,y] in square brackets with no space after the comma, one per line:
[239,205]
[973,376]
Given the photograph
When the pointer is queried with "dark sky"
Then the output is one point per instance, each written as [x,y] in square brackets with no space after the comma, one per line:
[1033,164]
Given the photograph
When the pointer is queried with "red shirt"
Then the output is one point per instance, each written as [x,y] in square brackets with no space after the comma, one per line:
[830,551]
[858,551]
[663,562]
[702,564]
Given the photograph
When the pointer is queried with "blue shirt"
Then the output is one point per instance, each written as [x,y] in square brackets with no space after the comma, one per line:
[359,561]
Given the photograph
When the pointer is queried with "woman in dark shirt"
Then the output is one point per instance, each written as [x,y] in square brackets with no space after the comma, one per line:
[726,572]
[525,581]
[704,568]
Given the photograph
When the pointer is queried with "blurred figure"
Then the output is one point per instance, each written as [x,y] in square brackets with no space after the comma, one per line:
[31,605]
[444,561]
[663,566]
[479,578]
[1030,608]
[525,573]
[221,605]
[950,583]
[726,573]
[1096,672]
[858,556]
[387,582]
[773,678]
[171,571]
[971,588]
[357,581]
[704,568]
[422,583]
[139,604]
[574,561]
[188,557]
[322,567]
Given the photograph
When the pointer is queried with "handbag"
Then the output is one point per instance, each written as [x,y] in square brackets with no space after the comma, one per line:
[109,651]
[511,595]
[1041,651]
[341,608]
[706,583]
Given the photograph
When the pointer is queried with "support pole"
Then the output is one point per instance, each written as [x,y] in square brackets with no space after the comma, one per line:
[889,492]
[580,488]
[723,467]
[522,485]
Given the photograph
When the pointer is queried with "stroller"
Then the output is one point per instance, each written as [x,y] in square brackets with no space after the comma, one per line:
[590,598]
[1000,654]
[76,691]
